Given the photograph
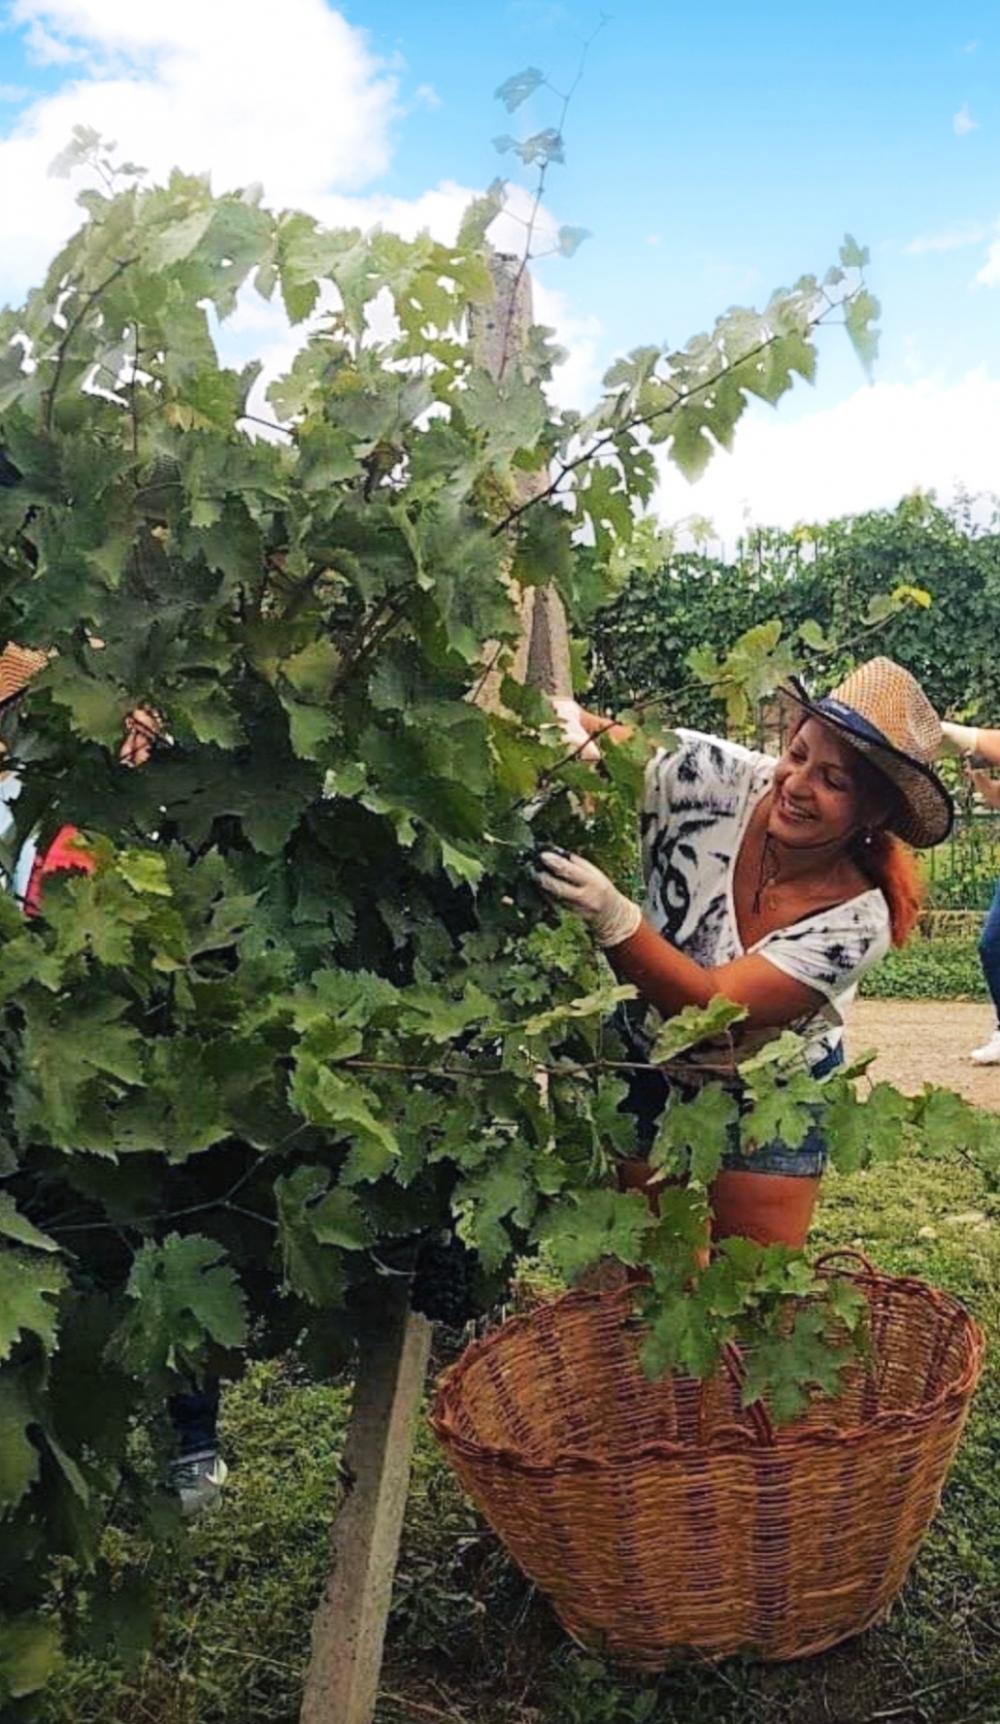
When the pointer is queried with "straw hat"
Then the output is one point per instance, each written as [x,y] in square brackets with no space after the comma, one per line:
[882,711]
[17,667]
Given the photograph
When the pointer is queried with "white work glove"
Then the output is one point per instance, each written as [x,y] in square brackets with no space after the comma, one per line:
[573,729]
[576,883]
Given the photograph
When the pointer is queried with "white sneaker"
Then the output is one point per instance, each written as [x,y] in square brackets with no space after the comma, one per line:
[989,1053]
[198,1480]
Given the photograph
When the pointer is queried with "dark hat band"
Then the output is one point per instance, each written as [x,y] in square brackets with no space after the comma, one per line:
[851,719]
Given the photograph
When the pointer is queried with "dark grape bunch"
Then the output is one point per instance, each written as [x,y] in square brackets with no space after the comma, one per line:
[442,1281]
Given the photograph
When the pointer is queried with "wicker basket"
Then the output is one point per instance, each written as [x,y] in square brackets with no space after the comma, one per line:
[662,1516]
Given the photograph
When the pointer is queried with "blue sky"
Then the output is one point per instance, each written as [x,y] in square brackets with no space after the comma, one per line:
[713,152]
[743,140]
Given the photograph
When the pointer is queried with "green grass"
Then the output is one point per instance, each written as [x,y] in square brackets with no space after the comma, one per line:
[470,1642]
[944,968]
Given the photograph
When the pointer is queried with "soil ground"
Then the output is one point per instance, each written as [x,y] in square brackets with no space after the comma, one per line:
[927,1041]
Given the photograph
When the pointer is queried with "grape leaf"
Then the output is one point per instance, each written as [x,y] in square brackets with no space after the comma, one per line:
[853,255]
[593,1224]
[18,1455]
[183,1294]
[29,1654]
[682,1337]
[483,1201]
[29,1291]
[517,88]
[325,1098]
[16,1226]
[859,1132]
[570,239]
[599,1004]
[783,1110]
[859,318]
[693,1025]
[313,1267]
[785,1370]
[693,1136]
[145,872]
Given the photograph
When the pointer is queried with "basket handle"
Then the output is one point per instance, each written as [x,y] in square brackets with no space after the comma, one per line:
[757,1413]
[849,1251]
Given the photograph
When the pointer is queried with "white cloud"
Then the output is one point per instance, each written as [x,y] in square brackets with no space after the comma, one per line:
[291,96]
[288,95]
[989,275]
[866,452]
[962,122]
[950,239]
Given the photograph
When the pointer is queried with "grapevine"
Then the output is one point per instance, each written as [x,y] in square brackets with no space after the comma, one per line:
[294,1017]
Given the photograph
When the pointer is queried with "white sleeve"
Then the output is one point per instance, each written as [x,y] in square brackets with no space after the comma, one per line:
[830,952]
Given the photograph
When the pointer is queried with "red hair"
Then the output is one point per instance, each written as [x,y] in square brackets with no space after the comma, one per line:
[893,868]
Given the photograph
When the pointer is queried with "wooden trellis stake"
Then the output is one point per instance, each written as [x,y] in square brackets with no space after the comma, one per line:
[348,1629]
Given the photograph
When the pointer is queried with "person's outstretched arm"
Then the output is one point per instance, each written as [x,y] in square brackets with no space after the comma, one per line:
[974,741]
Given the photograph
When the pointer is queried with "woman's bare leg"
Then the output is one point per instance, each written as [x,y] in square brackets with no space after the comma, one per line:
[772,1208]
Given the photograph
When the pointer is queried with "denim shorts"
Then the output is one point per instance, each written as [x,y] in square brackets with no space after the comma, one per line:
[650,1090]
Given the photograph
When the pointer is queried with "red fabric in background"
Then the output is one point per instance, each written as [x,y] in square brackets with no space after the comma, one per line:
[59,856]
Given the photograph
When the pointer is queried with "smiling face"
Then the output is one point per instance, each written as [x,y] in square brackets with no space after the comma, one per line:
[824,792]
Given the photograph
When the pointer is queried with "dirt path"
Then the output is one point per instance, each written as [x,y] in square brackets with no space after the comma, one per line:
[926,1041]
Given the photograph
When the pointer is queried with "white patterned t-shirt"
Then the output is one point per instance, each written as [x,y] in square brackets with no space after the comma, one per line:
[696,806]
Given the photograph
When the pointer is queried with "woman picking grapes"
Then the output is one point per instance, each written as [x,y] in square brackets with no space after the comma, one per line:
[775,884]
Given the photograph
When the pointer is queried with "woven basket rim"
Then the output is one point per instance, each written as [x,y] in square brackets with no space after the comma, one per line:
[788,1440]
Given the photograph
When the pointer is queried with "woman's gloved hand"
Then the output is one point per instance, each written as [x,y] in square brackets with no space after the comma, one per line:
[581,887]
[574,732]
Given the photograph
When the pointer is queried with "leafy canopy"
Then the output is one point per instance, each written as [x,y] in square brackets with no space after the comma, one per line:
[290,1026]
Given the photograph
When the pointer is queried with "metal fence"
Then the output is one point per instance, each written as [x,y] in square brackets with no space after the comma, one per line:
[962,874]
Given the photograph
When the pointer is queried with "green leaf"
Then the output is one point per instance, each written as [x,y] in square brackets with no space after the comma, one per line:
[460,868]
[121,1616]
[570,239]
[860,313]
[325,1098]
[517,88]
[597,1005]
[70,1051]
[338,1219]
[313,670]
[30,1653]
[682,1337]
[15,1226]
[783,1111]
[183,1295]
[693,1025]
[480,216]
[18,1455]
[29,1293]
[812,636]
[853,255]
[693,1136]
[484,1201]
[593,1224]
[313,1267]
[859,1132]
[786,1369]
[145,872]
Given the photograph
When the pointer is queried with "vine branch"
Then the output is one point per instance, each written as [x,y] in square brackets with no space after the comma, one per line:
[62,353]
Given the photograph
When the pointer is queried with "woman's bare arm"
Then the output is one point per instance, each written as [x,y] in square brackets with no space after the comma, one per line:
[670,981]
[979,743]
[595,724]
